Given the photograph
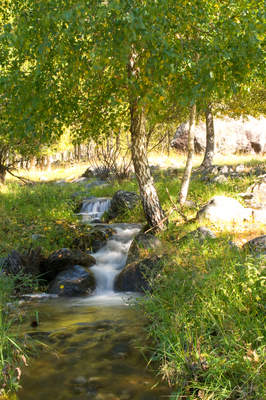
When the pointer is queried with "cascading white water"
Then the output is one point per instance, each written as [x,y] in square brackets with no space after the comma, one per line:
[111,259]
[93,209]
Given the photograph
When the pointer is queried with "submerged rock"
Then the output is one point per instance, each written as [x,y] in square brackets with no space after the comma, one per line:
[75,281]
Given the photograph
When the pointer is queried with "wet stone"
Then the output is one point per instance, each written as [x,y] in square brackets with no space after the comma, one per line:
[120,349]
[80,380]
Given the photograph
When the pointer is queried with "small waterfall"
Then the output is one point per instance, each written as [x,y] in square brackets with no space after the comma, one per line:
[93,209]
[111,259]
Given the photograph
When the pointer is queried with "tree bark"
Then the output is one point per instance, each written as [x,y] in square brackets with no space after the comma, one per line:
[3,171]
[210,139]
[149,197]
[190,149]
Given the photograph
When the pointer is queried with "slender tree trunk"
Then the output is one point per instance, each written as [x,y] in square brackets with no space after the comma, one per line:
[149,197]
[210,139]
[190,149]
[2,174]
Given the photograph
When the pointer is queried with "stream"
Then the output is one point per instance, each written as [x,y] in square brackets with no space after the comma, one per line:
[92,345]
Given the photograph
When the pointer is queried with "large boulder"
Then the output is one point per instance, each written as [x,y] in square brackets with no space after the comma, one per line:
[224,209]
[256,245]
[28,262]
[142,241]
[122,201]
[75,281]
[135,277]
[63,259]
[180,139]
[231,136]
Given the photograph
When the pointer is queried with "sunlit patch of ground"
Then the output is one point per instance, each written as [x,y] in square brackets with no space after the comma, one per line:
[241,232]
[67,172]
[178,160]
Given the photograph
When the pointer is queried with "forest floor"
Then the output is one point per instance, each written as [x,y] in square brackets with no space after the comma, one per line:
[205,310]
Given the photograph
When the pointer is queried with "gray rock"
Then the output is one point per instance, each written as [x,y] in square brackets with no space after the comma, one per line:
[142,240]
[75,281]
[80,380]
[60,182]
[88,173]
[224,169]
[179,141]
[28,262]
[256,245]
[219,179]
[258,192]
[200,233]
[81,179]
[135,276]
[224,209]
[121,202]
[97,183]
[240,168]
[64,258]
[245,136]
[93,240]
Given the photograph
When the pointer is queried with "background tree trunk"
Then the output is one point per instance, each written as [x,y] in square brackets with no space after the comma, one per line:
[2,174]
[190,149]
[149,197]
[210,139]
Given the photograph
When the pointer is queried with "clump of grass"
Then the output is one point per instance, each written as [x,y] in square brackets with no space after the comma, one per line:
[13,346]
[42,209]
[206,314]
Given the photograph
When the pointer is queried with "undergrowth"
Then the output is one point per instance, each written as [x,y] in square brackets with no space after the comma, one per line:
[206,319]
[14,347]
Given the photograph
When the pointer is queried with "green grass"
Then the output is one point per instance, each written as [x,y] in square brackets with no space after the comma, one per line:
[14,347]
[206,321]
[42,209]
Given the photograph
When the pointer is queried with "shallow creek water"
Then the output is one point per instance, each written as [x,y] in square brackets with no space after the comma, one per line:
[92,355]
[92,342]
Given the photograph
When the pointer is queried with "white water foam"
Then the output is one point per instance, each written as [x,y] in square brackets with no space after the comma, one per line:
[111,259]
[93,209]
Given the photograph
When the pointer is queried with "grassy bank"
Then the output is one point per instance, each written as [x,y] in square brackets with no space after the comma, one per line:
[14,347]
[205,311]
[207,321]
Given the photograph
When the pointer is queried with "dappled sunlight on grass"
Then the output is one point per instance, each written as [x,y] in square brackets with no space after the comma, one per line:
[52,174]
